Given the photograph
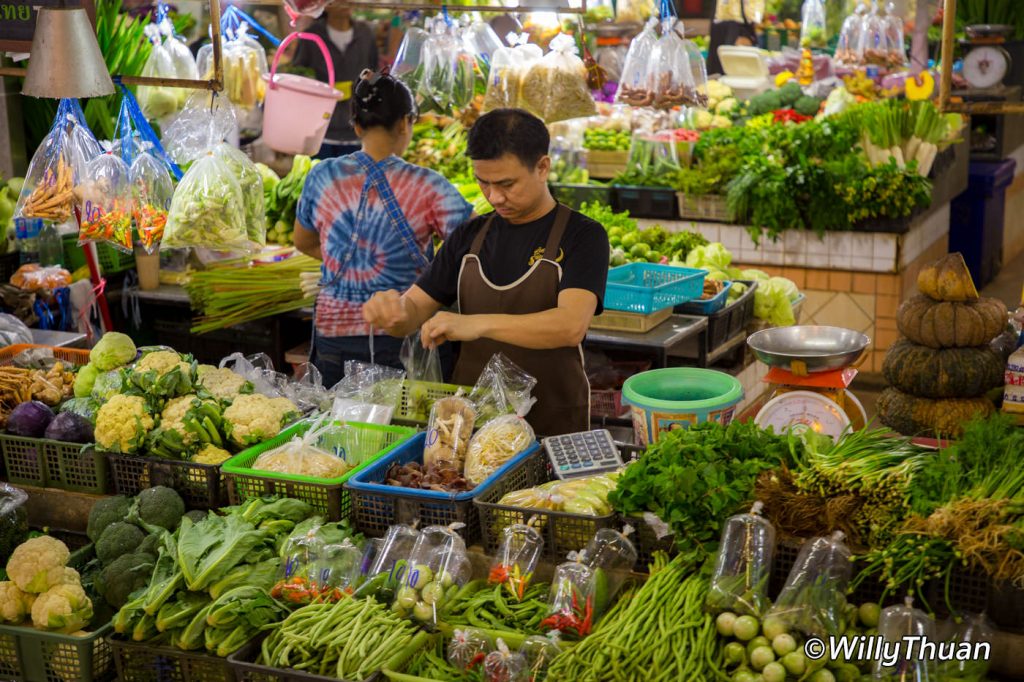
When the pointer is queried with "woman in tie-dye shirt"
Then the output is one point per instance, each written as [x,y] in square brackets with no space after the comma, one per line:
[371,218]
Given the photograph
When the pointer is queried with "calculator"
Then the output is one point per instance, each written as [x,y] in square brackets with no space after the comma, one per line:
[583,454]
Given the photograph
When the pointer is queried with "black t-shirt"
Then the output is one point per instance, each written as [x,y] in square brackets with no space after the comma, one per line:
[510,250]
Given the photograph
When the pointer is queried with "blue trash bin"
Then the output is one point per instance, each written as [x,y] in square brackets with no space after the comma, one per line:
[976,218]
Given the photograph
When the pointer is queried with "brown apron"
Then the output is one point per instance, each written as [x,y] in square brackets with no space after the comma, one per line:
[562,391]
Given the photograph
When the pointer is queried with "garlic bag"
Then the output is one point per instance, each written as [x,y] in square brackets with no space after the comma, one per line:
[743,566]
[813,599]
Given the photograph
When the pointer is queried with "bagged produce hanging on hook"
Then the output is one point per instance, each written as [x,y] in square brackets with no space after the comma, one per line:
[409,66]
[894,38]
[873,48]
[508,72]
[152,191]
[208,210]
[812,25]
[105,194]
[555,87]
[670,78]
[743,567]
[206,120]
[848,49]
[250,182]
[245,65]
[159,101]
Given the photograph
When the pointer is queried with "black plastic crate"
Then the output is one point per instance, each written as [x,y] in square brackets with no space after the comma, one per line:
[659,203]
[732,319]
[9,264]
[201,486]
[647,542]
[145,662]
[968,592]
[247,670]
[1006,606]
[575,196]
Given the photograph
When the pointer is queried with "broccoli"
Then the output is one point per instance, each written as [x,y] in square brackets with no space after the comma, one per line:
[151,545]
[764,103]
[196,515]
[123,576]
[790,93]
[158,507]
[105,512]
[807,106]
[118,539]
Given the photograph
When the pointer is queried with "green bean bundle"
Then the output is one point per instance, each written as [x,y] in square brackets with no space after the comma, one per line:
[660,632]
[350,640]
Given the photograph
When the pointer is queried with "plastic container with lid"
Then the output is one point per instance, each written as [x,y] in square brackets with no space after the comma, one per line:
[746,70]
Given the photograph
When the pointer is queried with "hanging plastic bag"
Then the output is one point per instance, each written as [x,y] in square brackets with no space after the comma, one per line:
[873,48]
[497,442]
[539,652]
[895,625]
[135,135]
[444,71]
[158,101]
[245,65]
[336,571]
[571,600]
[516,560]
[669,75]
[437,568]
[813,600]
[555,87]
[481,40]
[633,81]
[152,191]
[848,47]
[368,394]
[386,571]
[420,364]
[251,184]
[503,388]
[653,161]
[503,665]
[448,432]
[894,38]
[106,196]
[468,648]
[206,120]
[208,210]
[409,66]
[740,581]
[295,578]
[508,71]
[464,82]
[611,555]
[812,25]
[182,59]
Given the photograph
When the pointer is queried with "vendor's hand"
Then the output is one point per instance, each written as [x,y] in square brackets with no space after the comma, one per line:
[385,310]
[449,327]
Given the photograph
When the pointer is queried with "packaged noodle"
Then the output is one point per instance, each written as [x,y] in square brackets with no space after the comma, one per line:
[449,431]
[437,568]
[152,191]
[207,210]
[516,560]
[508,72]
[251,183]
[740,581]
[495,444]
[555,87]
[813,600]
[106,198]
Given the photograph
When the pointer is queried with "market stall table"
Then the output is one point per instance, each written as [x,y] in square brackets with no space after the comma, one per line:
[659,342]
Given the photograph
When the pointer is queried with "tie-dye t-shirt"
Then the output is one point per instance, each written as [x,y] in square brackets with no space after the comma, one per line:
[381,261]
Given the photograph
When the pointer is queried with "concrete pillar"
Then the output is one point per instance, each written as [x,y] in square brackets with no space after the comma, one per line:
[12,131]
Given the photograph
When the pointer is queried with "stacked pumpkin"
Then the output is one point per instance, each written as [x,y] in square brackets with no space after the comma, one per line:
[941,369]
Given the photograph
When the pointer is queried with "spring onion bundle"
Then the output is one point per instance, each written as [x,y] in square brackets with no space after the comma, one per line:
[896,130]
[237,291]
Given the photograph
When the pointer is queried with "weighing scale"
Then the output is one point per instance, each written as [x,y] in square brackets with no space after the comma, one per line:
[986,62]
[812,368]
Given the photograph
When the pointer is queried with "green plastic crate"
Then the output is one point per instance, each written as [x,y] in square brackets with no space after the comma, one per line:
[418,397]
[326,495]
[30,655]
[146,662]
[111,259]
[54,464]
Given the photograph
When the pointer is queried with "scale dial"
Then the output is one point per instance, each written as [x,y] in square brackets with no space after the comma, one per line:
[803,411]
[985,66]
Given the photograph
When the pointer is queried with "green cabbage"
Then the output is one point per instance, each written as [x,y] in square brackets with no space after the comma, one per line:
[772,304]
[112,351]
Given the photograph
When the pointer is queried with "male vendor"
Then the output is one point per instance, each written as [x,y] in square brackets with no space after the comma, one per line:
[528,278]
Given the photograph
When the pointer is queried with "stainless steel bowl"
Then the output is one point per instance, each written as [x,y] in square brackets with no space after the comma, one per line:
[820,348]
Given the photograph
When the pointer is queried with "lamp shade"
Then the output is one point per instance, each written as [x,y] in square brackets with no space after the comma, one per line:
[66,60]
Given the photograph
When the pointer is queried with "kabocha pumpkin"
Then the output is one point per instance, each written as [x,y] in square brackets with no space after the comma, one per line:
[942,324]
[914,416]
[949,373]
[947,279]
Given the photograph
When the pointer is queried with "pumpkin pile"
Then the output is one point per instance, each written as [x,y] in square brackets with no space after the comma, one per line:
[942,367]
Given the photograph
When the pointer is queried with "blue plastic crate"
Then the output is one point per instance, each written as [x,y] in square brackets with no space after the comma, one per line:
[377,505]
[707,306]
[646,288]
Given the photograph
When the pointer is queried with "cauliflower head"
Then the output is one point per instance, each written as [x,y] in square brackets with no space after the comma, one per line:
[164,373]
[37,561]
[63,607]
[173,417]
[222,383]
[15,605]
[122,424]
[111,351]
[211,454]
[254,418]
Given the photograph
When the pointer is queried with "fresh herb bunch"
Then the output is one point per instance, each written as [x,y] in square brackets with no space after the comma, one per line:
[695,479]
[906,565]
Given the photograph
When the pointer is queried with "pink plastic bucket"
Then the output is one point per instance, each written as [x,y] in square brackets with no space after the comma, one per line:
[297,110]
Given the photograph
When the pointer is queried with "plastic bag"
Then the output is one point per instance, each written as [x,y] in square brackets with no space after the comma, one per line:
[894,38]
[516,560]
[257,369]
[420,364]
[895,625]
[539,652]
[336,571]
[152,191]
[245,65]
[448,432]
[633,82]
[743,567]
[812,26]
[873,48]
[503,665]
[670,78]
[368,394]
[302,456]
[16,332]
[386,571]
[296,576]
[571,600]
[555,87]
[251,183]
[83,407]
[812,600]
[611,555]
[848,48]
[409,66]
[159,101]
[206,120]
[497,442]
[13,518]
[435,88]
[508,71]
[34,277]
[503,388]
[182,59]
[468,648]
[437,568]
[653,161]
[106,196]
[208,210]
[481,40]
[975,630]
[587,495]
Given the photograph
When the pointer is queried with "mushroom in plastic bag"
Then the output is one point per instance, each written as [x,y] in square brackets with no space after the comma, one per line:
[895,625]
[744,564]
[813,599]
[448,432]
[437,567]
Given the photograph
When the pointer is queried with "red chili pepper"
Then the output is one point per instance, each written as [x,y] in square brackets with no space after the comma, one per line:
[789,116]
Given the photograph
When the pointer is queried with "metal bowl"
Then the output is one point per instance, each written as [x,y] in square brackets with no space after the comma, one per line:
[982,31]
[821,349]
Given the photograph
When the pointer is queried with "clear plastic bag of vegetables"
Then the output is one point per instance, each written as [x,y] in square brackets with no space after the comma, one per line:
[206,120]
[539,652]
[633,88]
[509,68]
[743,567]
[208,210]
[611,555]
[468,648]
[895,625]
[503,388]
[181,57]
[813,600]
[437,567]
[296,575]
[571,599]
[894,37]
[336,571]
[106,196]
[813,33]
[670,77]
[449,431]
[245,65]
[653,161]
[555,87]
[368,394]
[409,66]
[152,191]
[482,42]
[386,570]
[251,183]
[438,59]
[848,47]
[505,665]
[975,630]
[497,442]
[13,518]
[872,47]
[516,559]
[158,101]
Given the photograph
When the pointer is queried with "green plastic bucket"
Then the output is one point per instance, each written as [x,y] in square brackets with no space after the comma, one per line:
[677,397]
